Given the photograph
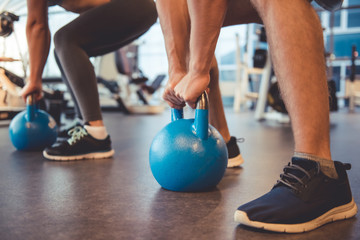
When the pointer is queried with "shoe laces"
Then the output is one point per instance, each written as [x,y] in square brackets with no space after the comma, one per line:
[76,134]
[289,177]
[240,140]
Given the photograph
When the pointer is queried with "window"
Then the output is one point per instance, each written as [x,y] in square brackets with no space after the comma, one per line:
[336,72]
[227,75]
[343,44]
[354,18]
[337,19]
[353,2]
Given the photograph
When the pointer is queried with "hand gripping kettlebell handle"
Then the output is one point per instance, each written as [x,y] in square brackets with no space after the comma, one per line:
[201,122]
[202,103]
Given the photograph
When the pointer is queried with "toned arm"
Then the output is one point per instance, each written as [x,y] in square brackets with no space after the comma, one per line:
[38,39]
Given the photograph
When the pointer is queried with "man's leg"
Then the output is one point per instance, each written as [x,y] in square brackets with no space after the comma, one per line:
[216,112]
[313,190]
[297,50]
[239,12]
[218,120]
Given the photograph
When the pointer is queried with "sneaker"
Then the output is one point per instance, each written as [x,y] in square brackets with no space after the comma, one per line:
[81,145]
[235,158]
[65,133]
[302,200]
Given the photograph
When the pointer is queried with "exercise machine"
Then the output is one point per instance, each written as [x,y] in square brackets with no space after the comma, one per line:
[10,84]
[133,92]
[352,94]
[261,71]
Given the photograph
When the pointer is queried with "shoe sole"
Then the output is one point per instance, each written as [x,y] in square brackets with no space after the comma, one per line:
[235,162]
[339,213]
[95,155]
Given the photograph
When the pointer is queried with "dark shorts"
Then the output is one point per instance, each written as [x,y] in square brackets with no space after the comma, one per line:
[330,5]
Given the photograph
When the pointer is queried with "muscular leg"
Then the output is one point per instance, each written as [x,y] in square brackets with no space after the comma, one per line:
[305,92]
[216,111]
[296,44]
[239,12]
[312,187]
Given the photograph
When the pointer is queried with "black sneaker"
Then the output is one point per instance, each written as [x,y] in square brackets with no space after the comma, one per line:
[302,200]
[64,134]
[235,158]
[81,145]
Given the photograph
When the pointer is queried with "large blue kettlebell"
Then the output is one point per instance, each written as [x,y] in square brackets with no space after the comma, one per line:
[32,129]
[189,155]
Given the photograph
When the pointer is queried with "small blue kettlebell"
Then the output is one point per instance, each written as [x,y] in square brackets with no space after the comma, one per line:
[189,155]
[32,129]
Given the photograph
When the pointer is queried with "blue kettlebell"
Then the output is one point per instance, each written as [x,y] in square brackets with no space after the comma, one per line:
[189,155]
[32,129]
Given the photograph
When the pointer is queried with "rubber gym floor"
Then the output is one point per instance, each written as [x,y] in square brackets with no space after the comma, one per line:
[118,198]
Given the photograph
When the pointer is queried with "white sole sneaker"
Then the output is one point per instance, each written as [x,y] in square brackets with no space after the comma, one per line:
[235,162]
[339,213]
[95,155]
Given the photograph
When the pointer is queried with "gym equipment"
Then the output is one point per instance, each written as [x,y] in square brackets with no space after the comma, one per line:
[53,103]
[7,23]
[137,91]
[274,98]
[32,129]
[6,59]
[353,95]
[133,92]
[10,101]
[189,155]
[247,77]
[7,20]
[260,57]
[333,100]
[10,84]
[277,103]
[262,34]
[125,101]
[260,54]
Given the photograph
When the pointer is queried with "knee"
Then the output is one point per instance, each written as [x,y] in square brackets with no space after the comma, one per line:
[259,4]
[61,38]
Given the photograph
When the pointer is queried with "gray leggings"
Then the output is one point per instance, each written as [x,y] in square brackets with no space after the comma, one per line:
[96,32]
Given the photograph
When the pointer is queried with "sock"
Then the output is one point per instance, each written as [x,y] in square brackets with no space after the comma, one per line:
[326,165]
[98,132]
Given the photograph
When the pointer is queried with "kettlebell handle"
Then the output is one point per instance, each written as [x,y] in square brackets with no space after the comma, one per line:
[201,122]
[30,107]
[203,101]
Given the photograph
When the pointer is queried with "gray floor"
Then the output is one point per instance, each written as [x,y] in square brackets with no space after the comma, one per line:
[119,199]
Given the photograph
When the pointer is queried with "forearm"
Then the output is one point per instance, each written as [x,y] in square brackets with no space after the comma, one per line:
[175,25]
[38,38]
[207,18]
[38,43]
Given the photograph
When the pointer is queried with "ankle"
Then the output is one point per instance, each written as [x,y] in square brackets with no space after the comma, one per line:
[98,132]
[327,165]
[96,123]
